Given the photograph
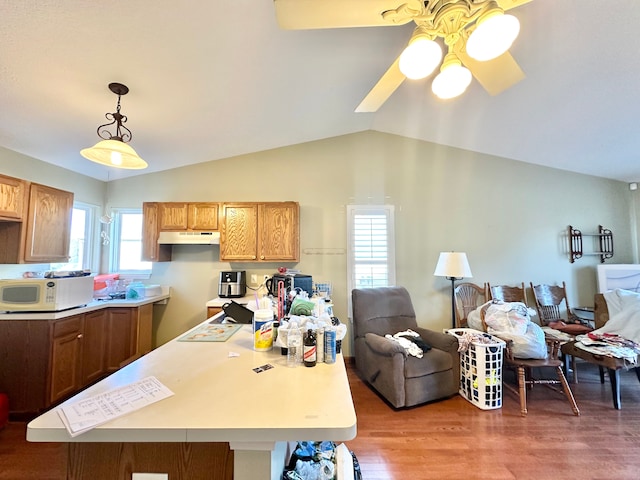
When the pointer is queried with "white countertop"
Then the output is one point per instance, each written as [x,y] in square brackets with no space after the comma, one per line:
[248,301]
[219,398]
[90,307]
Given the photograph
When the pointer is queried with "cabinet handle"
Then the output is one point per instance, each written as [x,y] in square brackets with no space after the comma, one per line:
[80,335]
[261,257]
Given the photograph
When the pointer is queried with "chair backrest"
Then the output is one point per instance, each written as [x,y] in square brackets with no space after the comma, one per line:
[385,310]
[549,302]
[506,293]
[468,296]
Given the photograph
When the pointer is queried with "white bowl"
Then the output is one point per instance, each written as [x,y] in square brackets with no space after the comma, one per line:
[152,290]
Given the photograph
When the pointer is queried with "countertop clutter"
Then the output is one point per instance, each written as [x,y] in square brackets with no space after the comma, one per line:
[221,391]
[165,293]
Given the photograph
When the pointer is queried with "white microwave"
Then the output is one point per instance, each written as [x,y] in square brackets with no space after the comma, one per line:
[45,294]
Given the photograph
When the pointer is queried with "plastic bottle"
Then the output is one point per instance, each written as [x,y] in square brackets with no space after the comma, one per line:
[320,345]
[309,355]
[294,346]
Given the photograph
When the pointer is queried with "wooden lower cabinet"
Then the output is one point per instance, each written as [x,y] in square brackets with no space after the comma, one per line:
[66,357]
[93,352]
[211,311]
[122,338]
[42,362]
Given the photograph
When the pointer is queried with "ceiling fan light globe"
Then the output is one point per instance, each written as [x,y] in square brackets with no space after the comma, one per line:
[451,82]
[114,153]
[420,58]
[493,36]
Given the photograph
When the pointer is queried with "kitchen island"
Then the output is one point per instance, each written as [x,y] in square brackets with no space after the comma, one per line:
[220,404]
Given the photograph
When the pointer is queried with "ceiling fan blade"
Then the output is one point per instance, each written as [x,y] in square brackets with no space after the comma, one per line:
[495,75]
[310,14]
[509,4]
[382,90]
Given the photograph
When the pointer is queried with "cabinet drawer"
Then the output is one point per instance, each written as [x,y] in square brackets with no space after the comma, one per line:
[67,326]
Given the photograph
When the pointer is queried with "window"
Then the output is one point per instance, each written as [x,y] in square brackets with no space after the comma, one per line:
[371,250]
[126,243]
[81,249]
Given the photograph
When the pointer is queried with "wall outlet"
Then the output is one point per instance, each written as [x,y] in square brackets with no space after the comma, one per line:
[254,279]
[266,277]
[149,476]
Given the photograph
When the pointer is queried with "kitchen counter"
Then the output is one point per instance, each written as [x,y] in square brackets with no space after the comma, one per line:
[248,300]
[90,307]
[220,398]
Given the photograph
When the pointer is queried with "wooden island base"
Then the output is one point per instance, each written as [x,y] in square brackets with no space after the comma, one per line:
[111,460]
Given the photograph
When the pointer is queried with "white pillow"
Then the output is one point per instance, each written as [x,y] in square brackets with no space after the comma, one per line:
[619,299]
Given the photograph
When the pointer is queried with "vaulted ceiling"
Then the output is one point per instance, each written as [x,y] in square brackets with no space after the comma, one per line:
[212,79]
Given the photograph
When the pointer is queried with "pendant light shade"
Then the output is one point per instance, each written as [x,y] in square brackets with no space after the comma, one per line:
[494,35]
[113,151]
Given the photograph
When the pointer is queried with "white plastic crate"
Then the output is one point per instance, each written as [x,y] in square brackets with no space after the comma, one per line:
[481,370]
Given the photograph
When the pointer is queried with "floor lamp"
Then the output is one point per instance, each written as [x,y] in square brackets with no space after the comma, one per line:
[454,266]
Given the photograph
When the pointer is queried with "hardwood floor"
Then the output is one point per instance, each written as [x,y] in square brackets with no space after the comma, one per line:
[452,439]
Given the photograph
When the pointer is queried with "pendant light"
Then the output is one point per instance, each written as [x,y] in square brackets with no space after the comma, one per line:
[113,150]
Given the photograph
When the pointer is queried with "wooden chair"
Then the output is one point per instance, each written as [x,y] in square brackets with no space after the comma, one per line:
[523,366]
[554,311]
[506,293]
[525,373]
[468,296]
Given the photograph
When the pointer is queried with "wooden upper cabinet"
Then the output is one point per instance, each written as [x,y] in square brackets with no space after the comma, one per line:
[279,232]
[260,232]
[239,233]
[151,250]
[179,216]
[13,198]
[48,228]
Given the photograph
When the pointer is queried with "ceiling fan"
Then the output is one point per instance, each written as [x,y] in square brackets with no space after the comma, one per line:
[465,26]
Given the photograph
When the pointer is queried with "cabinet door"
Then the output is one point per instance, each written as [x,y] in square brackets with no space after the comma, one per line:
[24,363]
[151,251]
[66,354]
[13,198]
[279,232]
[93,346]
[48,229]
[121,338]
[145,329]
[239,233]
[203,216]
[173,216]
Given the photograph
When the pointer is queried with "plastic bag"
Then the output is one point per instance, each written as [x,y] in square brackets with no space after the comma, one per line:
[313,461]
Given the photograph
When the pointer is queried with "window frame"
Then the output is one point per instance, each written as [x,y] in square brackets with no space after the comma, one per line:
[91,254]
[115,242]
[388,211]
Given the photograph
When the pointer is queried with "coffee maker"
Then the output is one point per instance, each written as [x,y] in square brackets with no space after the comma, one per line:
[232,284]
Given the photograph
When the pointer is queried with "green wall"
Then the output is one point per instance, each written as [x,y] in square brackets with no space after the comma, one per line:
[510,217]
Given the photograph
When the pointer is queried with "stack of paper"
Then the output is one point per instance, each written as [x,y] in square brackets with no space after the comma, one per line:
[86,414]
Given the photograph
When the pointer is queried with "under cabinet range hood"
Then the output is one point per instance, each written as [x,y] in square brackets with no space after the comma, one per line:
[189,238]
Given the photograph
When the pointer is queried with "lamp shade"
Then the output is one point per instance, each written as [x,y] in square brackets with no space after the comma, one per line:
[420,58]
[453,265]
[452,81]
[114,153]
[493,36]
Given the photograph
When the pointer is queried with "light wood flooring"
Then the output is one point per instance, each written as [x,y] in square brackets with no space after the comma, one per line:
[452,439]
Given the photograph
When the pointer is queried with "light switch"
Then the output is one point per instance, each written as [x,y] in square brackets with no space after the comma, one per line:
[254,279]
[150,476]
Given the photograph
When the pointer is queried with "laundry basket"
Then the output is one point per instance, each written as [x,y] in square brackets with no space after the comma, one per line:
[481,368]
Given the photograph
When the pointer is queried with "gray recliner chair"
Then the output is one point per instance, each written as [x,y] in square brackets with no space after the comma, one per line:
[403,380]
